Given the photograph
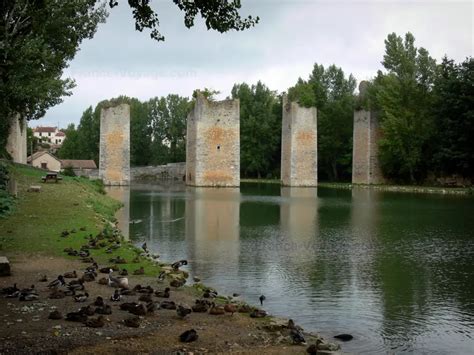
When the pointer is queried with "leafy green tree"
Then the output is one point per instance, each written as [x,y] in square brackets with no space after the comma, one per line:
[70,147]
[39,38]
[403,98]
[453,111]
[260,130]
[31,141]
[333,95]
[168,120]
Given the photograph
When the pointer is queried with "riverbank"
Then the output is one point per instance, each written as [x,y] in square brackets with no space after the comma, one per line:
[71,214]
[390,188]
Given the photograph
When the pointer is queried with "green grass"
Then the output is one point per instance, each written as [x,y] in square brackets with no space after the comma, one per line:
[36,223]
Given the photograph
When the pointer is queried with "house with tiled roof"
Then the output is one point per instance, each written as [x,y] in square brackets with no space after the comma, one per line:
[50,135]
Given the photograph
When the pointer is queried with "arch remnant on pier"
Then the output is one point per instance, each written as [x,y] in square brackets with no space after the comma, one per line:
[213,143]
[114,156]
[299,145]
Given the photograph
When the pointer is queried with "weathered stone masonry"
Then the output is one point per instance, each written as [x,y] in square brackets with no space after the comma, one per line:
[16,143]
[114,157]
[213,143]
[299,145]
[365,162]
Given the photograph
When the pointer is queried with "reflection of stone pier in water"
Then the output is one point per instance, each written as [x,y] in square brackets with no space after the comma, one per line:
[122,194]
[299,213]
[212,228]
[114,156]
[365,212]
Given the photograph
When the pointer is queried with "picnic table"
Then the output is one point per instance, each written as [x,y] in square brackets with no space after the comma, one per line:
[51,177]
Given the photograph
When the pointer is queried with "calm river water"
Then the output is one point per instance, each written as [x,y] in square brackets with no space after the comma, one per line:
[394,270]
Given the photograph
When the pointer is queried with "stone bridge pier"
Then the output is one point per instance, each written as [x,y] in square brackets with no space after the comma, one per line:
[299,145]
[114,156]
[213,143]
[367,132]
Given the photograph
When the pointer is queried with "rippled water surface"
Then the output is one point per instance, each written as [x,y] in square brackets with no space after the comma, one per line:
[394,270]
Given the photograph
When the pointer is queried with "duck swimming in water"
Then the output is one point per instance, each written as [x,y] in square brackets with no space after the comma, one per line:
[262,298]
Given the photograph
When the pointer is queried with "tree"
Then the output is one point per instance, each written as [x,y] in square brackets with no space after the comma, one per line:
[260,129]
[39,38]
[403,98]
[70,147]
[453,111]
[168,120]
[333,95]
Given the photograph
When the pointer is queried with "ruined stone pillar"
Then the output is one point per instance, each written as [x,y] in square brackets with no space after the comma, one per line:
[213,143]
[16,142]
[367,132]
[299,145]
[114,157]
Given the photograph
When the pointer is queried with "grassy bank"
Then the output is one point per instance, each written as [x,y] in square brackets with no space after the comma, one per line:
[393,188]
[75,204]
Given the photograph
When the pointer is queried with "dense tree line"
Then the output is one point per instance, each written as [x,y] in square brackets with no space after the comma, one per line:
[425,111]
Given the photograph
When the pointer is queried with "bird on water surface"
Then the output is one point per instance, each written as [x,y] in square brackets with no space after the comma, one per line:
[262,298]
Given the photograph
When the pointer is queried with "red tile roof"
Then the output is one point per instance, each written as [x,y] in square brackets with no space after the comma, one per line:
[60,134]
[44,129]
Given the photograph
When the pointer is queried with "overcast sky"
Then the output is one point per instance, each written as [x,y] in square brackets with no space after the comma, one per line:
[292,35]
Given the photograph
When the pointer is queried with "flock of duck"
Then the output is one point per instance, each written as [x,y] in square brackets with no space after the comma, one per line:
[70,284]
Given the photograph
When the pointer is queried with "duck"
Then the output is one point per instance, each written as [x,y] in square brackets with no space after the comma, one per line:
[76,317]
[140,271]
[183,310]
[163,294]
[178,264]
[125,292]
[128,305]
[138,310]
[161,276]
[123,272]
[9,290]
[291,325]
[297,336]
[118,260]
[55,315]
[230,308]
[145,297]
[177,282]
[133,322]
[87,259]
[146,289]
[258,313]
[81,297]
[209,293]
[188,336]
[84,253]
[105,309]
[99,302]
[216,310]
[168,305]
[88,276]
[344,337]
[144,247]
[70,275]
[43,278]
[105,270]
[116,297]
[103,281]
[201,306]
[87,310]
[76,285]
[95,322]
[59,281]
[117,282]
[150,307]
[261,299]
[244,308]
[28,297]
[93,267]
[28,290]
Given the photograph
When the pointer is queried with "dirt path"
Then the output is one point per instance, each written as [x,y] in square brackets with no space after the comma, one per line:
[25,327]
